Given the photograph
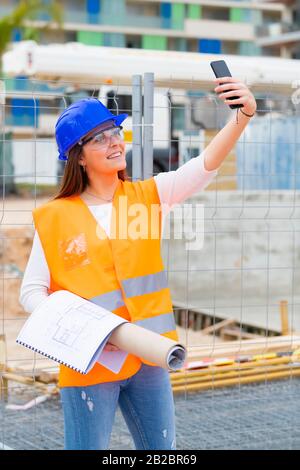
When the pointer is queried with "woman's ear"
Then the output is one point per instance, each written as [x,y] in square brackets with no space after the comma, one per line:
[81,160]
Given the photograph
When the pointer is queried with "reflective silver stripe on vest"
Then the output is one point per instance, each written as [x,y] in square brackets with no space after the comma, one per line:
[159,324]
[110,300]
[145,284]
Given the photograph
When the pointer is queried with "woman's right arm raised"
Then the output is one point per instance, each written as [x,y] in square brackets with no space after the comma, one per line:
[36,279]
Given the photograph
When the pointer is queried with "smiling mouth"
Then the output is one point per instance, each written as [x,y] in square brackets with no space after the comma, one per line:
[114,155]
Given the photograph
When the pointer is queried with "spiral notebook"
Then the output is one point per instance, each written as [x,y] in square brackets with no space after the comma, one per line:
[72,331]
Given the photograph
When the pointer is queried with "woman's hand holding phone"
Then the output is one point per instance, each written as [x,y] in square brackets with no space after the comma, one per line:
[237,89]
[232,90]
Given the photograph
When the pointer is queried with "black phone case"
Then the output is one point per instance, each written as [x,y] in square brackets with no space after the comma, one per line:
[220,69]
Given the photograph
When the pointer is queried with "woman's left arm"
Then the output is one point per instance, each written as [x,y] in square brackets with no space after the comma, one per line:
[221,145]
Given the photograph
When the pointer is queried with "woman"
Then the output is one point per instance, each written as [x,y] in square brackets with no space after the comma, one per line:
[77,246]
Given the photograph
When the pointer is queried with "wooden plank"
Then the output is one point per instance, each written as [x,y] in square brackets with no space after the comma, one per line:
[3,382]
[217,326]
[237,381]
[45,374]
[2,352]
[48,376]
[231,333]
[215,368]
[245,347]
[24,380]
[284,317]
[221,375]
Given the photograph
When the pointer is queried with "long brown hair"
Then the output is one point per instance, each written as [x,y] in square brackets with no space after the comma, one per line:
[75,179]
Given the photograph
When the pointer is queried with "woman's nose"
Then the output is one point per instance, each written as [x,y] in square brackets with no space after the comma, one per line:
[114,139]
[114,142]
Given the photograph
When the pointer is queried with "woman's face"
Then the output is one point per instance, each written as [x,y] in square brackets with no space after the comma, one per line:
[106,155]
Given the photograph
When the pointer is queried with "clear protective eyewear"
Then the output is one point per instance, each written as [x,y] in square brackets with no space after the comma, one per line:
[103,138]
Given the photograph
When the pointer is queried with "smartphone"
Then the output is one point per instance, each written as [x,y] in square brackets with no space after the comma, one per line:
[221,70]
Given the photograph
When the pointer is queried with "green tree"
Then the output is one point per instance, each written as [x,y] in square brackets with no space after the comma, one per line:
[27,10]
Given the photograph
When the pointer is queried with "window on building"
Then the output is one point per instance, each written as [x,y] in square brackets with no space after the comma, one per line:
[147,9]
[177,44]
[46,37]
[133,41]
[114,40]
[249,48]
[230,47]
[296,15]
[271,52]
[192,45]
[77,5]
[70,36]
[209,13]
[296,52]
[269,17]
[134,9]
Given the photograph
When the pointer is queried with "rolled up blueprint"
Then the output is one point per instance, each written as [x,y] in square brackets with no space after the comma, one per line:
[73,331]
[148,345]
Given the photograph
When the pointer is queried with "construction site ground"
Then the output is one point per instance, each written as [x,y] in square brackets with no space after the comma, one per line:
[253,416]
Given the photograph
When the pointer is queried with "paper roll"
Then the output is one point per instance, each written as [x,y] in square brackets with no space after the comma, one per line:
[148,345]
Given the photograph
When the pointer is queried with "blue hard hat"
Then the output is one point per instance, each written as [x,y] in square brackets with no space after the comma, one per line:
[80,118]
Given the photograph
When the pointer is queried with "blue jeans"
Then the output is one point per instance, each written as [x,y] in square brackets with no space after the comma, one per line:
[146,402]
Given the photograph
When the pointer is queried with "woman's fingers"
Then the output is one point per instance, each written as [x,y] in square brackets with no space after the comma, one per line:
[242,100]
[240,92]
[230,87]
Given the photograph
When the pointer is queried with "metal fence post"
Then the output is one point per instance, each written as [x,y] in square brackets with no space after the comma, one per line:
[148,125]
[137,132]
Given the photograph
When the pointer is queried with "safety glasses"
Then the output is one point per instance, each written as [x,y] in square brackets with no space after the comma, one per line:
[103,138]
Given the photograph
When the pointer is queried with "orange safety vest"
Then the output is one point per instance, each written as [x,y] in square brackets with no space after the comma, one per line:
[124,274]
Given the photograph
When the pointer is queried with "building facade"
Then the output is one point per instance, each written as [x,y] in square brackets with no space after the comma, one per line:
[282,38]
[212,26]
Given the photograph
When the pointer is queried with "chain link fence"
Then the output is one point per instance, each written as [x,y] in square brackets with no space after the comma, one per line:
[243,285]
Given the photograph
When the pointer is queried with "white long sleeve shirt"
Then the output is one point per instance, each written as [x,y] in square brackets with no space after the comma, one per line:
[173,187]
